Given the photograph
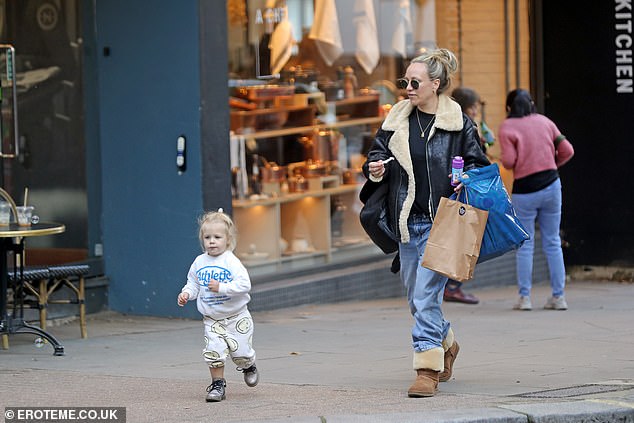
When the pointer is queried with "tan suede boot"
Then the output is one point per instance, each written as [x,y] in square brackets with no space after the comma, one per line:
[425,385]
[450,357]
[451,348]
[428,365]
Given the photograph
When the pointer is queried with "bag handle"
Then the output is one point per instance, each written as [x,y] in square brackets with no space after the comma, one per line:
[466,195]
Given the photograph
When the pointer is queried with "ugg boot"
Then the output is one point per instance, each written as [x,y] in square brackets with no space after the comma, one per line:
[451,348]
[428,365]
[425,385]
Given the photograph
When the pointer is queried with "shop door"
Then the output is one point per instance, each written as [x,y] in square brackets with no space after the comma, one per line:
[46,35]
[592,104]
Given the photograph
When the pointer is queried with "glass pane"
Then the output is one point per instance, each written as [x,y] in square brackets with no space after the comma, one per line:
[46,35]
[8,94]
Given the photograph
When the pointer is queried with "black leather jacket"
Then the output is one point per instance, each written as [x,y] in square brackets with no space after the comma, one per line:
[453,134]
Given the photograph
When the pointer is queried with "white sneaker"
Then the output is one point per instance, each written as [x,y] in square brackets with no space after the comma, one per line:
[524,303]
[556,303]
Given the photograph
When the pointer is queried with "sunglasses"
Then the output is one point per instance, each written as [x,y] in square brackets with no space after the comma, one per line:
[402,83]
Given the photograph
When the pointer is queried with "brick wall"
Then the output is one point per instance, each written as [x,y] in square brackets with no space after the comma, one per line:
[483,65]
[475,31]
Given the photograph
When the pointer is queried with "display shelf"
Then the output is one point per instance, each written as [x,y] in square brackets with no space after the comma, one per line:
[291,197]
[293,231]
[298,227]
[259,229]
[357,107]
[305,224]
[273,133]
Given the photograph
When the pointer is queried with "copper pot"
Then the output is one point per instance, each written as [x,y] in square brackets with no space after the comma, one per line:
[273,173]
[297,184]
[314,170]
[353,176]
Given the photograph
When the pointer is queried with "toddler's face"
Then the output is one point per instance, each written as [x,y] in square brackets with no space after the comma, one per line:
[214,238]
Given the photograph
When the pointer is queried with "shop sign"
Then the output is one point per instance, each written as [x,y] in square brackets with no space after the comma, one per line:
[623,43]
[47,16]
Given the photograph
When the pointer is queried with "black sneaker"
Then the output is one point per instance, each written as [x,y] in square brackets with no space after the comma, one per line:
[216,391]
[251,375]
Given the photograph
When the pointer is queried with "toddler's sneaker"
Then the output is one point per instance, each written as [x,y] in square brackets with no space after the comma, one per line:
[524,303]
[251,375]
[216,391]
[556,303]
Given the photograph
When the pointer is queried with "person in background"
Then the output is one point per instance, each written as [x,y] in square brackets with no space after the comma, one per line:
[534,148]
[422,134]
[473,106]
[220,284]
[469,101]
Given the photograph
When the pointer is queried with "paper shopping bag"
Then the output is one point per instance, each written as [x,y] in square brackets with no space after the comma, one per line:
[454,240]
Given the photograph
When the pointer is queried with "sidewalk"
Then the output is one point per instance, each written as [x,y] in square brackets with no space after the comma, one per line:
[350,362]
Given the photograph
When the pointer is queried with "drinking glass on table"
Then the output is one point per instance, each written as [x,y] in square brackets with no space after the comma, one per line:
[25,215]
[5,213]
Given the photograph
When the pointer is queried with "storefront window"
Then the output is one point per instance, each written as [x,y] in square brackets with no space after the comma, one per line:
[310,83]
[46,36]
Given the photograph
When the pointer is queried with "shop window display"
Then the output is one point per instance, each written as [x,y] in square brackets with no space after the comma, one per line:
[310,83]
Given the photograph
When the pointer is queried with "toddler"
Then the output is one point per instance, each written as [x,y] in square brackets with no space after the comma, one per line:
[220,284]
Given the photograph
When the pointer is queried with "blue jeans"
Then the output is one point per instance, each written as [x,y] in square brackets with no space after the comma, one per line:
[545,207]
[424,288]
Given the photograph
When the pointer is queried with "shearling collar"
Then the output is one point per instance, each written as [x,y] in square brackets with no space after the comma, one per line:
[448,117]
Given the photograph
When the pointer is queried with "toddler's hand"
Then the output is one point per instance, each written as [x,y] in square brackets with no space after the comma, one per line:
[182,298]
[214,285]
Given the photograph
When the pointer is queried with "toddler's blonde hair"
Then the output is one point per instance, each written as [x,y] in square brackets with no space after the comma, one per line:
[218,217]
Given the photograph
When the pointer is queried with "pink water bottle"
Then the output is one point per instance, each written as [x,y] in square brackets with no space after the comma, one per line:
[457,164]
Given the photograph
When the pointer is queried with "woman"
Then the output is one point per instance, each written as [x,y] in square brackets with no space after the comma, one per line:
[534,149]
[423,133]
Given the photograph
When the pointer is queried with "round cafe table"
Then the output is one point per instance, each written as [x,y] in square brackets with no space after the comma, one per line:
[12,239]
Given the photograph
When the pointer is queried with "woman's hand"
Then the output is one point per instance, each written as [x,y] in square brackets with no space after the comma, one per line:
[458,187]
[377,169]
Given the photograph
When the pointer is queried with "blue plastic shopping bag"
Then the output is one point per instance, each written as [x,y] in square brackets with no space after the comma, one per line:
[504,232]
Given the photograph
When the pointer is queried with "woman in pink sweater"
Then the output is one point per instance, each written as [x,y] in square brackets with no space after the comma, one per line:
[534,148]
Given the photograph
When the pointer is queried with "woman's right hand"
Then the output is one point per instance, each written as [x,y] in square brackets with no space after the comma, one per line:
[376,169]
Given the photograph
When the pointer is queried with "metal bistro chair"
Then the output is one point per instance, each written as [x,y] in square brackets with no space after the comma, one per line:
[41,286]
[72,277]
[35,287]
